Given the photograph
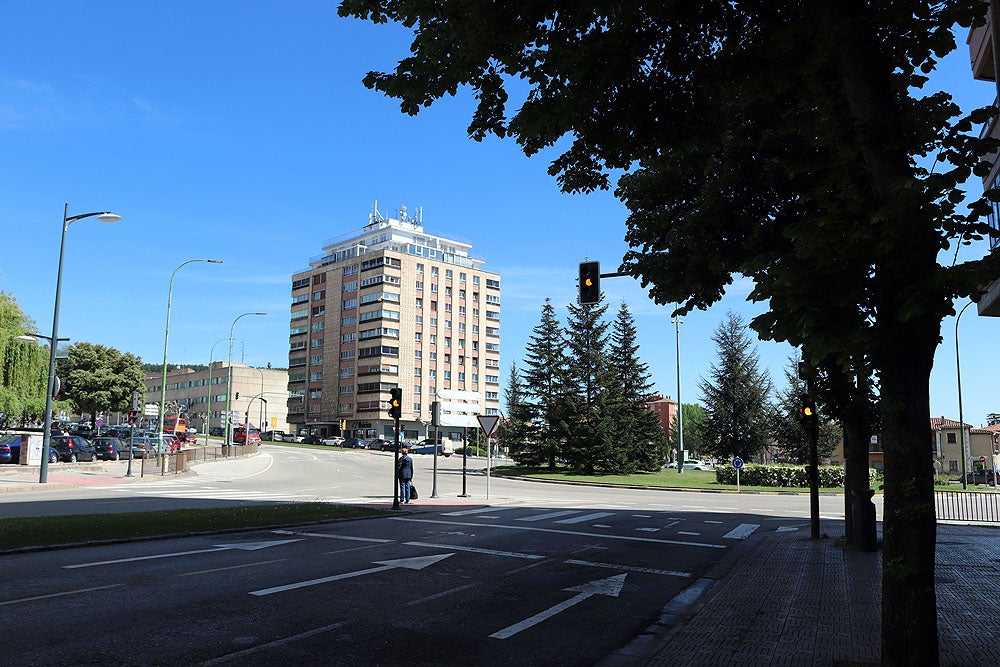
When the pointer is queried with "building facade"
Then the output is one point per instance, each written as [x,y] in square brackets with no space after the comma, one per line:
[386,306]
[986,67]
[189,389]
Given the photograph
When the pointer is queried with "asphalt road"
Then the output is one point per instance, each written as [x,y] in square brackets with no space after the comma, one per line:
[552,575]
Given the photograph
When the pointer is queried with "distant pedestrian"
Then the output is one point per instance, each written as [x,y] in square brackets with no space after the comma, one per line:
[405,471]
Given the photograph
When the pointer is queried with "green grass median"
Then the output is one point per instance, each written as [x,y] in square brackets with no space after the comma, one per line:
[54,530]
[667,478]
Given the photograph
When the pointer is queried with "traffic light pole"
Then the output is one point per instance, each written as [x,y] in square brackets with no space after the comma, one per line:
[395,467]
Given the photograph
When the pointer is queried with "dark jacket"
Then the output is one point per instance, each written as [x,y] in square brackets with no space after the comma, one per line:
[405,468]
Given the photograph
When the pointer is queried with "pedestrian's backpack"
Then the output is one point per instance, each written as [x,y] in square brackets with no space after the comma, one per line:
[413,492]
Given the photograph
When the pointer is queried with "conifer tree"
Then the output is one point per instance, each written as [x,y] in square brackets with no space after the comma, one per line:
[546,385]
[788,433]
[736,395]
[644,439]
[586,342]
[517,432]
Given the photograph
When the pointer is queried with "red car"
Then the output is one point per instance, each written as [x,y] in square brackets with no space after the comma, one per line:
[240,436]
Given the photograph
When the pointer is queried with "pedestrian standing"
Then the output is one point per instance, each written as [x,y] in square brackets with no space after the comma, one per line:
[405,475]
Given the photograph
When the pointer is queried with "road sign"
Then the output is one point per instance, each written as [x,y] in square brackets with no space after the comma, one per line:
[458,395]
[982,459]
[737,463]
[488,423]
[151,410]
[100,422]
[274,422]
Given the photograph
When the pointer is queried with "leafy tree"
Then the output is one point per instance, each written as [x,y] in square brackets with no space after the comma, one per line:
[644,440]
[789,434]
[96,378]
[816,141]
[736,395]
[589,375]
[993,418]
[546,377]
[517,431]
[694,418]
[23,366]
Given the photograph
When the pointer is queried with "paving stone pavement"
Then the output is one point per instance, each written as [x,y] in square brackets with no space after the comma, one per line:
[784,599]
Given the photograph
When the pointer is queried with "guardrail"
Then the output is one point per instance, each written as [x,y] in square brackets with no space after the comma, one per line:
[178,462]
[967,506]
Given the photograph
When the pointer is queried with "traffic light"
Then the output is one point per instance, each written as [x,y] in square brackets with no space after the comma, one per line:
[807,410]
[590,283]
[131,416]
[396,403]
[436,413]
[237,395]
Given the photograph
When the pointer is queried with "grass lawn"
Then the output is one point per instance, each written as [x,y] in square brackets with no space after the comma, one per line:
[665,478]
[51,530]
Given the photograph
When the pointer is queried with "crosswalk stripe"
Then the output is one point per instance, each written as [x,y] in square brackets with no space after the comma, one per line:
[479,510]
[586,517]
[742,531]
[548,515]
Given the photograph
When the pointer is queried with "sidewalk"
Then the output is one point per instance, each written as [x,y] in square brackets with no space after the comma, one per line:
[783,599]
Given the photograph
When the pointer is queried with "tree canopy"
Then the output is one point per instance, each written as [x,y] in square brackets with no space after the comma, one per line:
[23,366]
[97,378]
[788,141]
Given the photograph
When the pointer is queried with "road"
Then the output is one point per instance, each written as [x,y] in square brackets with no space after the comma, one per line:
[553,575]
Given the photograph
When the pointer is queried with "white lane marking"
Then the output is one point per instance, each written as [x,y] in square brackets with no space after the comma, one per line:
[58,595]
[629,568]
[603,536]
[611,587]
[586,517]
[331,537]
[264,647]
[417,563]
[714,522]
[742,531]
[490,552]
[442,594]
[547,515]
[480,510]
[600,525]
[232,567]
[246,546]
[649,530]
[786,529]
[643,516]
[684,532]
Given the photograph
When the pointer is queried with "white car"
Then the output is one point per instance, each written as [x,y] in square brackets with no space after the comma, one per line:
[333,441]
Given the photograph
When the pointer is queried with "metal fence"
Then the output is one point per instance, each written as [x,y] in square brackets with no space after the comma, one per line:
[178,462]
[970,506]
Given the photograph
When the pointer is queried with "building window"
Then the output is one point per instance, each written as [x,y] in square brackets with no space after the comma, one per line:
[349,304]
[434,272]
[420,268]
[319,279]
[320,295]
[420,285]
[346,354]
[418,337]
[348,337]
[316,360]
[319,310]
[351,286]
[951,438]
[316,377]
[348,320]
[316,343]
[317,327]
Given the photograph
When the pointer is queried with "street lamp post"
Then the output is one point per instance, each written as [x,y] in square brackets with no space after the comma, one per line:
[208,408]
[229,384]
[680,409]
[103,216]
[263,406]
[961,419]
[166,339]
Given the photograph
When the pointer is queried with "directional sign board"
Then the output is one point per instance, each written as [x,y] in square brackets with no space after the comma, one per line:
[488,423]
[455,412]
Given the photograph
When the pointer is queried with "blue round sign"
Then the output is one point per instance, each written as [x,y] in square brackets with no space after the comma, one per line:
[737,463]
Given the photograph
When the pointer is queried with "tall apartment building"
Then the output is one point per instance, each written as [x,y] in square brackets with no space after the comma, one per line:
[984,52]
[390,305]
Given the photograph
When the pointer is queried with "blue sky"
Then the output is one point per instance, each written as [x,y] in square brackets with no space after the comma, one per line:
[241,131]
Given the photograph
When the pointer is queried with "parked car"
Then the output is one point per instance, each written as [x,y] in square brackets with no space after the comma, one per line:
[429,449]
[527,458]
[311,440]
[383,445]
[290,437]
[217,431]
[981,477]
[273,436]
[73,448]
[354,443]
[689,466]
[333,441]
[140,449]
[110,449]
[240,436]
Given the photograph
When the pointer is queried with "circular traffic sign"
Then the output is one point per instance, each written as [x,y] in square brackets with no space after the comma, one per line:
[100,422]
[982,459]
[737,463]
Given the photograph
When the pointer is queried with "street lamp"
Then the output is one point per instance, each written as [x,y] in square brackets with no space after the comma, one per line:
[229,383]
[961,420]
[208,409]
[166,338]
[103,216]
[260,418]
[677,321]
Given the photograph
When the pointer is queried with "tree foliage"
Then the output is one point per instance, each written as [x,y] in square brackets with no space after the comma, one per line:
[546,376]
[97,378]
[23,366]
[693,418]
[788,141]
[788,433]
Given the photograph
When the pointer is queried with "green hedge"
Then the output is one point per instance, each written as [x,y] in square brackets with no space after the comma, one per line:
[786,476]
[473,451]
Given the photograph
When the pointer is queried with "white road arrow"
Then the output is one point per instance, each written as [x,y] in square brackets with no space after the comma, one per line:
[611,587]
[245,546]
[418,563]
